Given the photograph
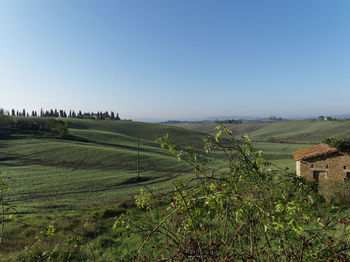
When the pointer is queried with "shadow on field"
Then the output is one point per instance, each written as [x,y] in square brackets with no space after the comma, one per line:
[134,180]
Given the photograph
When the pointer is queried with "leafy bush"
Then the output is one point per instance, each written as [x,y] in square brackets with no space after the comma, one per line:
[336,192]
[339,143]
[233,210]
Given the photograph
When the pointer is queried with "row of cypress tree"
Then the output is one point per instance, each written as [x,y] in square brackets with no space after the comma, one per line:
[63,114]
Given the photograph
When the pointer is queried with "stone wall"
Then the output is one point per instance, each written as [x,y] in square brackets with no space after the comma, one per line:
[332,167]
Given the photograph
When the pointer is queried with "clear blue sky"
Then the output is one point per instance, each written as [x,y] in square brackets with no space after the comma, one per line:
[183,59]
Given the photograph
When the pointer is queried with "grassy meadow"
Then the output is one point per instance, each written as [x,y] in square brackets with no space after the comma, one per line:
[293,132]
[92,175]
[98,167]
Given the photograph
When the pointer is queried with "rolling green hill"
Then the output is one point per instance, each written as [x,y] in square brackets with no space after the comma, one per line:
[98,167]
[209,127]
[298,131]
[91,174]
[133,129]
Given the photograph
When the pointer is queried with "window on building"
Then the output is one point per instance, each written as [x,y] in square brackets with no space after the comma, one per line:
[326,166]
[312,165]
[347,178]
[344,167]
[316,176]
[319,176]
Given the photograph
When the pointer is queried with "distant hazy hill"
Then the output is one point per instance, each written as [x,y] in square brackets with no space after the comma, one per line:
[294,131]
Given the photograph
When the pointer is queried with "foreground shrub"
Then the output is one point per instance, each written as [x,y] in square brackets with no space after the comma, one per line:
[234,210]
[336,192]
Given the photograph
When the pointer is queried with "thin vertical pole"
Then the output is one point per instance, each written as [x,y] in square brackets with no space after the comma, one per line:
[138,157]
[2,215]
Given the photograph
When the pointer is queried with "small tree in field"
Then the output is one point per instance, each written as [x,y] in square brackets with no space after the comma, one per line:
[233,210]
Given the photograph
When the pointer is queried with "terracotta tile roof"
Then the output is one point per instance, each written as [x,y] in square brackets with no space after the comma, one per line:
[314,151]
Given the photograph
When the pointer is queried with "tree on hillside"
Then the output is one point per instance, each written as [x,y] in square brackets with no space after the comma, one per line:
[62,113]
[4,120]
[330,118]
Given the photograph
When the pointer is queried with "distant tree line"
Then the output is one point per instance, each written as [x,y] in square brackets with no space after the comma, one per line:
[327,118]
[63,114]
[45,126]
[275,118]
[230,121]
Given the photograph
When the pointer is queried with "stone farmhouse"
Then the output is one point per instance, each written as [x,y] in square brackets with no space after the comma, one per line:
[322,163]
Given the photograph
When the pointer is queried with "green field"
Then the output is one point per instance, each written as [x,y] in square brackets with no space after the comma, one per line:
[92,176]
[298,131]
[98,167]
